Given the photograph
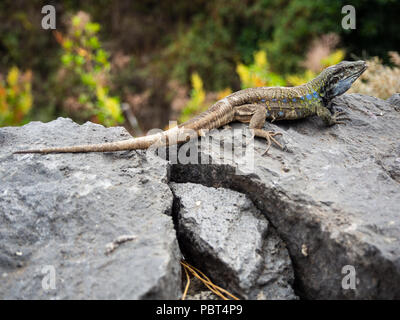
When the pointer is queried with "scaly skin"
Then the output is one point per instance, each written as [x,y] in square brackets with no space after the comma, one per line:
[253,106]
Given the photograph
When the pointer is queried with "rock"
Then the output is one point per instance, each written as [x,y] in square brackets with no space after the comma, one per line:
[221,231]
[394,100]
[96,222]
[333,196]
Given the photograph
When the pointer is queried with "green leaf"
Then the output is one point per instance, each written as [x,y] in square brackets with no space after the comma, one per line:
[76,20]
[101,56]
[88,79]
[67,59]
[67,44]
[94,43]
[92,27]
[83,98]
[79,60]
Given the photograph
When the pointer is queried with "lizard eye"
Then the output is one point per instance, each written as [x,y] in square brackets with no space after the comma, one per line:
[335,79]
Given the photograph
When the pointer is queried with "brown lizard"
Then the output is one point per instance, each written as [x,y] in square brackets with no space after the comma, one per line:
[253,106]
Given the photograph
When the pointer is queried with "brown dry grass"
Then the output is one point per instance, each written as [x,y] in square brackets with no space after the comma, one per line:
[222,293]
[379,80]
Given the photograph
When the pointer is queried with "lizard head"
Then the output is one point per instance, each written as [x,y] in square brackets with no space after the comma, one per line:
[341,76]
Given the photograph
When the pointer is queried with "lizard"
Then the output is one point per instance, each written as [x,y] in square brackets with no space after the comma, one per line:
[251,105]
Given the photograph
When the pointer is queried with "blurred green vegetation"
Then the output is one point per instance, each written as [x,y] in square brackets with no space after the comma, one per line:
[148,52]
[15,97]
[197,98]
[259,74]
[87,72]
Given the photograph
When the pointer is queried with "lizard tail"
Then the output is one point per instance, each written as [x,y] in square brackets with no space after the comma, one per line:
[172,136]
[129,144]
[220,114]
[102,147]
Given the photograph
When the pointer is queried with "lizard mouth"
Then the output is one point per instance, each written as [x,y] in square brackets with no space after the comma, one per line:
[357,74]
[365,67]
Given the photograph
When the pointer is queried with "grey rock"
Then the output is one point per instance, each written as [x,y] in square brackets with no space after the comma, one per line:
[203,295]
[395,101]
[333,196]
[221,231]
[62,210]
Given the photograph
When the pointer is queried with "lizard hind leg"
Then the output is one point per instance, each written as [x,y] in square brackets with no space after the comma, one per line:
[257,122]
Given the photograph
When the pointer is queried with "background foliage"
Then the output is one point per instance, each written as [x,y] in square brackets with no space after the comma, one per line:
[153,55]
[86,72]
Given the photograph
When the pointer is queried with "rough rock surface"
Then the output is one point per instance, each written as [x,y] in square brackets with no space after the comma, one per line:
[333,196]
[395,100]
[221,231]
[62,210]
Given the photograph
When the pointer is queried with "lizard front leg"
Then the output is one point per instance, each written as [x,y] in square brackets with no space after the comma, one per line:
[331,119]
[256,115]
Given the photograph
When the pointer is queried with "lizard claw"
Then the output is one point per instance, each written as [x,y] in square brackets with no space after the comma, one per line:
[337,118]
[249,140]
[269,136]
[270,139]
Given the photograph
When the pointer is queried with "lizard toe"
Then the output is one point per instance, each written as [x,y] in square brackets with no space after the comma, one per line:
[269,136]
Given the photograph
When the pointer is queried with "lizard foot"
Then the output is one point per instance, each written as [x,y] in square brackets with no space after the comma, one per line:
[269,136]
[337,118]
